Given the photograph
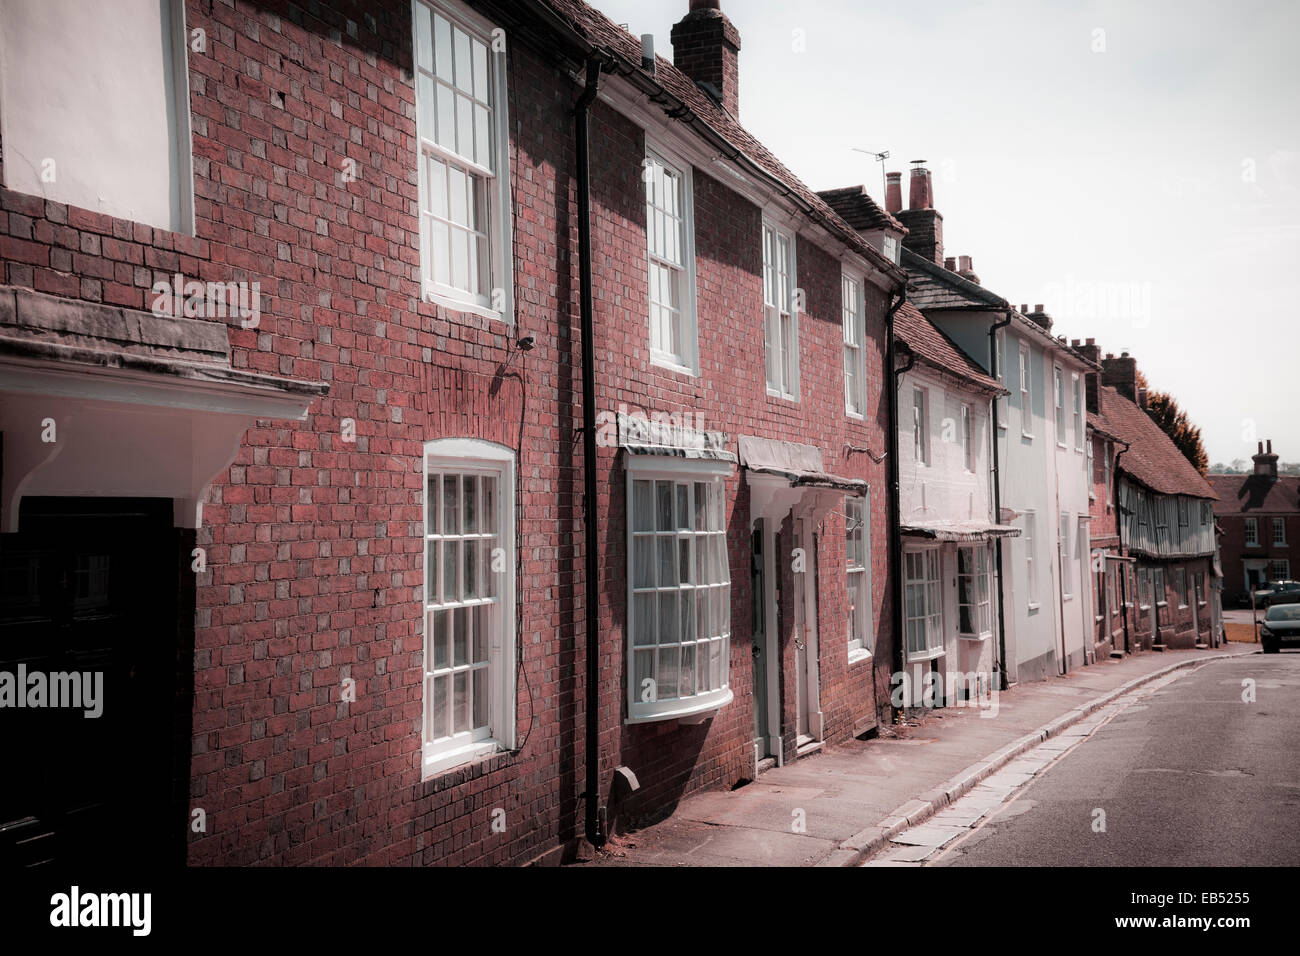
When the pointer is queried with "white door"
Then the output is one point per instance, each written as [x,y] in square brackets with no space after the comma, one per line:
[807,689]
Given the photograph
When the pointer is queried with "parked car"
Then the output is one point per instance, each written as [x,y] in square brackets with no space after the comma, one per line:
[1281,626]
[1279,592]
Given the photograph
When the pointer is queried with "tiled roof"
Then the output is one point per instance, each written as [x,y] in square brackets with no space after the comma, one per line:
[931,346]
[1152,458]
[607,37]
[859,210]
[1256,494]
[930,286]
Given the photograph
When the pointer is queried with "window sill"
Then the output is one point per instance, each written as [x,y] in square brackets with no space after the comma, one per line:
[926,656]
[668,364]
[1200,604]
[859,655]
[783,396]
[454,759]
[1183,607]
[856,416]
[975,638]
[1027,435]
[460,305]
[1063,446]
[1162,604]
[1034,606]
[698,710]
[1067,597]
[1144,607]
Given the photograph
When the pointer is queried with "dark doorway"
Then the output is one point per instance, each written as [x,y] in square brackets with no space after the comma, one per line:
[92,586]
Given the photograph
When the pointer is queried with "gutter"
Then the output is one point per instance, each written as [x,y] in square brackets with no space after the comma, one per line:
[997,505]
[895,497]
[595,812]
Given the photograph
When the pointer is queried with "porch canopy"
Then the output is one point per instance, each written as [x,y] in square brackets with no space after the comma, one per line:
[102,401]
[786,475]
[972,530]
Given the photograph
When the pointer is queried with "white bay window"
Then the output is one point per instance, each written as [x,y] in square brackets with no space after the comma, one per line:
[923,604]
[857,548]
[679,590]
[974,592]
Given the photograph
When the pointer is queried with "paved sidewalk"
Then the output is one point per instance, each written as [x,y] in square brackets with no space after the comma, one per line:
[838,807]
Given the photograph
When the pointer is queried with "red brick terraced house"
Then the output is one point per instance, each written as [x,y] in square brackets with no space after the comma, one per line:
[293,354]
[1155,553]
[1259,515]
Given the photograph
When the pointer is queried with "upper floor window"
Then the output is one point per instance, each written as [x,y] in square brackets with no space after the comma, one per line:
[679,584]
[464,161]
[96,108]
[1184,513]
[1092,475]
[780,315]
[1105,464]
[469,619]
[1078,414]
[889,246]
[857,544]
[1060,405]
[1026,392]
[854,321]
[670,245]
[1279,531]
[967,438]
[921,425]
[1252,532]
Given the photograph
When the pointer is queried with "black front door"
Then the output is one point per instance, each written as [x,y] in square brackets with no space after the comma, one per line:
[89,612]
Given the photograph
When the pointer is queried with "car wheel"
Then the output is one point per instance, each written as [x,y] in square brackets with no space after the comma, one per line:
[1270,647]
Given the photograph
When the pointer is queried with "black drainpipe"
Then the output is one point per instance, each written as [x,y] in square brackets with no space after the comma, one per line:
[1119,531]
[895,499]
[1003,684]
[594,811]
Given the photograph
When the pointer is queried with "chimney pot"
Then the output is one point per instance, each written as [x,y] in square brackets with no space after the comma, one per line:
[950,263]
[1089,341]
[893,193]
[1038,308]
[648,52]
[921,193]
[1269,443]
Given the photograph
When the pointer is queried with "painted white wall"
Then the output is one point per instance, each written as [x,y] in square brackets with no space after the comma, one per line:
[944,489]
[95,88]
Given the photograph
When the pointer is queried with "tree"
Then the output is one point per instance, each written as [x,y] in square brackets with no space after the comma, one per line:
[1173,421]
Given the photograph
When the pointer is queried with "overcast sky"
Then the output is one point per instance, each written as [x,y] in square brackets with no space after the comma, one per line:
[1135,166]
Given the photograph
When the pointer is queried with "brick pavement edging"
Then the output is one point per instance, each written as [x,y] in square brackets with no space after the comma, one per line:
[872,839]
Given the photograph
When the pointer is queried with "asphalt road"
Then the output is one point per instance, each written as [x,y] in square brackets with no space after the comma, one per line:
[1192,775]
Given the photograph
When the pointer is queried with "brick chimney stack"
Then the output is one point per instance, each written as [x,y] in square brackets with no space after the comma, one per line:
[706,47]
[1038,315]
[1091,380]
[1265,461]
[966,269]
[894,193]
[923,222]
[1121,375]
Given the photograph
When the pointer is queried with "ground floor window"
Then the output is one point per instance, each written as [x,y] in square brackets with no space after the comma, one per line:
[923,604]
[679,619]
[974,592]
[469,616]
[857,548]
[1280,570]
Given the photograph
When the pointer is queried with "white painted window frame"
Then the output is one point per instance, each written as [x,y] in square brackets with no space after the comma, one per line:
[862,649]
[656,467]
[1079,431]
[783,389]
[1058,393]
[856,320]
[687,362]
[931,561]
[1279,532]
[1031,558]
[1067,558]
[500,225]
[981,582]
[1251,529]
[1026,390]
[474,456]
[968,437]
[921,428]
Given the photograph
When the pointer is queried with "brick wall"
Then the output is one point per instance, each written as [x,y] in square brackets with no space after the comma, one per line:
[315,545]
